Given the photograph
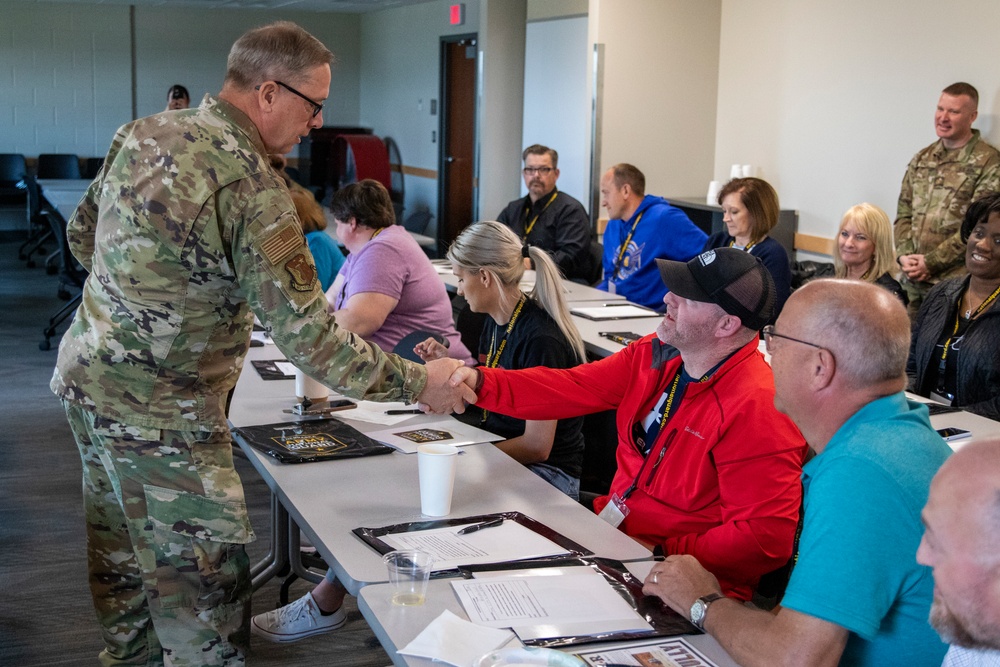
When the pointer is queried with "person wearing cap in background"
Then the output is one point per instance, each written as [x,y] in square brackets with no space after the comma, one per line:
[177,98]
[706,465]
[857,595]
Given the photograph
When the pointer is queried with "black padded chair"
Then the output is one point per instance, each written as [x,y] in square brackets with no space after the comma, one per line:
[13,188]
[58,165]
[71,275]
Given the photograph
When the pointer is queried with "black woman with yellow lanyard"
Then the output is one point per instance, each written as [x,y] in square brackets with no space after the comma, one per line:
[750,211]
[954,355]
[522,331]
[550,219]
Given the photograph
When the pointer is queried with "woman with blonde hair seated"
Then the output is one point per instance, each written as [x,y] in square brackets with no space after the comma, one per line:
[865,249]
[522,331]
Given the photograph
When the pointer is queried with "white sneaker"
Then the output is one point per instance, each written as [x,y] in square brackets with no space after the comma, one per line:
[295,621]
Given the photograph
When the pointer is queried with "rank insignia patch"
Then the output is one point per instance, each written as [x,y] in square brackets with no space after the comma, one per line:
[303,273]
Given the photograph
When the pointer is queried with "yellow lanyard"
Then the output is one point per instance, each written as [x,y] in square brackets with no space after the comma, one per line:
[747,249]
[493,358]
[628,239]
[527,212]
[983,306]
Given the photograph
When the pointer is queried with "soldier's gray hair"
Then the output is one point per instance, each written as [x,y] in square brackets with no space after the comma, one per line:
[495,248]
[280,51]
[874,223]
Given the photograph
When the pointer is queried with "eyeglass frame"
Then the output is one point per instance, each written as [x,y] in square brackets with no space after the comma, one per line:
[544,171]
[317,107]
[768,333]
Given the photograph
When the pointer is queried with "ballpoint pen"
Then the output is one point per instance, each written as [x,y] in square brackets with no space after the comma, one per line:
[408,411]
[479,526]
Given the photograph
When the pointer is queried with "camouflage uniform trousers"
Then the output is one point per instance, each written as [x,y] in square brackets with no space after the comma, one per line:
[166,524]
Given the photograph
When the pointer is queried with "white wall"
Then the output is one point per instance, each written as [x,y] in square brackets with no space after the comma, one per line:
[556,104]
[830,100]
[660,89]
[66,78]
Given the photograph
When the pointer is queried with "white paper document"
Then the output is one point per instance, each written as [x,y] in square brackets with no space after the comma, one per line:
[286,367]
[543,607]
[441,432]
[375,413]
[613,311]
[262,337]
[508,541]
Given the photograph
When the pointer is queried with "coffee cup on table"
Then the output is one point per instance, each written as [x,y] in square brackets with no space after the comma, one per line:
[308,390]
[436,469]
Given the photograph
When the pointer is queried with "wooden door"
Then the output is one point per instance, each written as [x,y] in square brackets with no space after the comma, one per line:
[458,137]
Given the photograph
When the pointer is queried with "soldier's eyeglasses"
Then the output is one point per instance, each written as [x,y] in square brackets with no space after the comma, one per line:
[317,107]
[531,171]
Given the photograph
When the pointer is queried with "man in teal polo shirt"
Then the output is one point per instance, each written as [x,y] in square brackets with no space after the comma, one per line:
[856,595]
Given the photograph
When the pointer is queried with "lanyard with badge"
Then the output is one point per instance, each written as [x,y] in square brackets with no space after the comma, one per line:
[617,508]
[941,394]
[621,254]
[745,248]
[493,358]
[527,211]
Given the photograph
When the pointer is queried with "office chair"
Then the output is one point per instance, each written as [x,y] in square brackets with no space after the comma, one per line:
[13,172]
[58,165]
[71,274]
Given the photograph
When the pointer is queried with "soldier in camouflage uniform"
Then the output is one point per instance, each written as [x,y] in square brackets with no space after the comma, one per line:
[188,233]
[940,183]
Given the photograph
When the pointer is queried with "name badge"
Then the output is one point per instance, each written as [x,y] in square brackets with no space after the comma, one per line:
[615,511]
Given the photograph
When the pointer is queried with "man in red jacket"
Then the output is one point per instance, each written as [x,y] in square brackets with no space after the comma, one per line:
[706,465]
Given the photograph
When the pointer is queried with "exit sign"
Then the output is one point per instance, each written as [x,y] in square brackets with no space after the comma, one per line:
[456,14]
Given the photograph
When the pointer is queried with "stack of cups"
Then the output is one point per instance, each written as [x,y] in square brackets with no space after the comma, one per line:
[436,466]
[713,193]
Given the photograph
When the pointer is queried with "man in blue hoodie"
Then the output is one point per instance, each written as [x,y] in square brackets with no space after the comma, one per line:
[642,228]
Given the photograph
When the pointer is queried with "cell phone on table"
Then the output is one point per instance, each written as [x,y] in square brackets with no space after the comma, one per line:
[953,433]
[620,337]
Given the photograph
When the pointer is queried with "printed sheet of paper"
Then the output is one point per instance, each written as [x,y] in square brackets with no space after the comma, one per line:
[544,607]
[443,432]
[374,413]
[262,337]
[286,367]
[613,312]
[672,652]
[508,541]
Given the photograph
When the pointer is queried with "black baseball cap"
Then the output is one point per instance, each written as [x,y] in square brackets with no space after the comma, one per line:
[733,279]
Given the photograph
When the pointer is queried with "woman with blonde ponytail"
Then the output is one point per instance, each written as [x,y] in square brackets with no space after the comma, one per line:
[523,330]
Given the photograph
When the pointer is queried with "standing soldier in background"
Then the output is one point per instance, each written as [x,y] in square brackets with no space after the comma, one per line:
[940,183]
[188,233]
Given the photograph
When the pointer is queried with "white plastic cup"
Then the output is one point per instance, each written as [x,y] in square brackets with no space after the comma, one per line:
[713,193]
[408,574]
[746,171]
[436,467]
[306,387]
[736,171]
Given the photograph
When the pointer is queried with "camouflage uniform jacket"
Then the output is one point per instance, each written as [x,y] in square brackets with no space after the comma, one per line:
[187,233]
[938,186]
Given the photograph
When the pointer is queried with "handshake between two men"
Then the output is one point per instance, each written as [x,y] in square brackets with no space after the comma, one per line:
[450,387]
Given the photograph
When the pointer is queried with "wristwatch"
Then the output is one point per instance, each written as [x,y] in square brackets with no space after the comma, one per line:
[700,608]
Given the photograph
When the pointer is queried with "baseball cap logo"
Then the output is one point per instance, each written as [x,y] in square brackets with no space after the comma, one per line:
[706,257]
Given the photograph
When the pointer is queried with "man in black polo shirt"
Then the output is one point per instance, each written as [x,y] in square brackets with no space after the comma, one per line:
[550,219]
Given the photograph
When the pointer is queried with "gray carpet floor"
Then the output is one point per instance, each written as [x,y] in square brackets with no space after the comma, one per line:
[45,613]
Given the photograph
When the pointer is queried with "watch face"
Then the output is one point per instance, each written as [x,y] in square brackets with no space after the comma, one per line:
[698,612]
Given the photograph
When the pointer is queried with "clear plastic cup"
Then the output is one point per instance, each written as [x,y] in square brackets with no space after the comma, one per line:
[409,572]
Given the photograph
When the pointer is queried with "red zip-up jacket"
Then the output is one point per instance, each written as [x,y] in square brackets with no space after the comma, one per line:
[727,489]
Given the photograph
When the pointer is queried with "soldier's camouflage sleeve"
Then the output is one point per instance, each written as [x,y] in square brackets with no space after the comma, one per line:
[276,270]
[951,251]
[82,225]
[903,227]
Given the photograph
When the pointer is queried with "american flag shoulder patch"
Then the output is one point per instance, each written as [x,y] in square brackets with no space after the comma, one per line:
[281,244]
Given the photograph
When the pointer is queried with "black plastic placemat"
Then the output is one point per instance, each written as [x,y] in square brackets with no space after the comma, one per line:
[314,440]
